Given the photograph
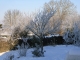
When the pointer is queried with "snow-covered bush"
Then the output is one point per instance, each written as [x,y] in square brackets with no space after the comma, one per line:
[73,35]
[76,31]
[37,51]
[68,36]
[22,50]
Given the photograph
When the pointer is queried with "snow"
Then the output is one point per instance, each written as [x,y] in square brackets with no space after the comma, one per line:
[74,54]
[52,36]
[75,51]
[58,52]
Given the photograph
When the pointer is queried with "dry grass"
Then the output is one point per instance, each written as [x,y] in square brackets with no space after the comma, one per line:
[5,45]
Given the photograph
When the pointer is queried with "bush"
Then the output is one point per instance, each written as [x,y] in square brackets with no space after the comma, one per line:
[37,51]
[22,50]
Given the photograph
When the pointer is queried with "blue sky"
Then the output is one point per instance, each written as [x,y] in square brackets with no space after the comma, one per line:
[26,5]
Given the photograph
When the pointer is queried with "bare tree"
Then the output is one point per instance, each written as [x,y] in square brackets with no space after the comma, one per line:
[40,25]
[63,8]
[11,19]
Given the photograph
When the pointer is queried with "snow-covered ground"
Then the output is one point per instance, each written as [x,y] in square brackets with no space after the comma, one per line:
[58,52]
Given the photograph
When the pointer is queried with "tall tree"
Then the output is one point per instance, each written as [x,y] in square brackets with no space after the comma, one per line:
[63,8]
[12,19]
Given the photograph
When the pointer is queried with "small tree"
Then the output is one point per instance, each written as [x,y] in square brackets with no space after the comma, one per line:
[40,25]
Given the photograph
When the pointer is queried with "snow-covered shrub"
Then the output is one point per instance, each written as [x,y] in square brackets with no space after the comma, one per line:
[22,50]
[68,36]
[73,35]
[76,31]
[37,51]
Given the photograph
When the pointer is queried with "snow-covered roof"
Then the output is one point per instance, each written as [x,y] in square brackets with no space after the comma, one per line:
[52,35]
[5,33]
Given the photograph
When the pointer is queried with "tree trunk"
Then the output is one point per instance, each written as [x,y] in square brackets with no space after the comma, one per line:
[41,45]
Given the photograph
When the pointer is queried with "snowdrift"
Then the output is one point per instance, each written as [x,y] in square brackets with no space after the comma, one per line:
[73,54]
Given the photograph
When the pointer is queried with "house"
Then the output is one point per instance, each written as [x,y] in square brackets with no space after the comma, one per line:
[4,35]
